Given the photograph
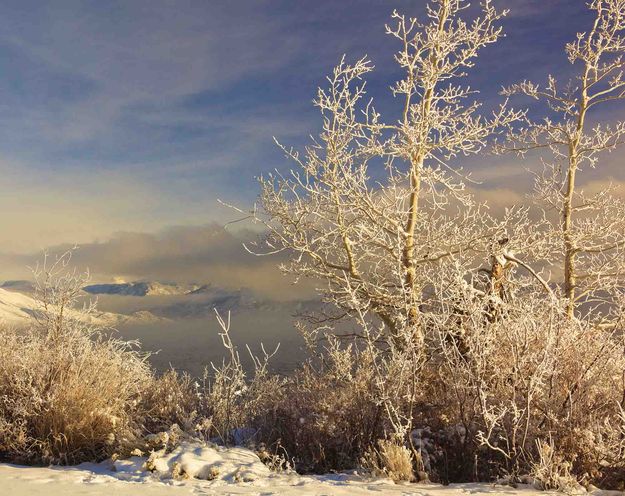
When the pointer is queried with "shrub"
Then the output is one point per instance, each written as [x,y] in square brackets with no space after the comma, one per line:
[70,393]
[329,415]
[68,400]
[172,398]
[237,403]
[528,376]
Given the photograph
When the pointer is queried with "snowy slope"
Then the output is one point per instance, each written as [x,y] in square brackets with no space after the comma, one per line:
[199,469]
[15,308]
[151,302]
[18,309]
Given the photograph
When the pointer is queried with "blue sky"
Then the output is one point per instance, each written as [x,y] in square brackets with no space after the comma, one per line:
[136,115]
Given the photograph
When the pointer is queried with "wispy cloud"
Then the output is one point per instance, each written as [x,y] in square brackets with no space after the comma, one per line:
[137,115]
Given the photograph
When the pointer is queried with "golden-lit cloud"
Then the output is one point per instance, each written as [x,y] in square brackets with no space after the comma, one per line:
[209,254]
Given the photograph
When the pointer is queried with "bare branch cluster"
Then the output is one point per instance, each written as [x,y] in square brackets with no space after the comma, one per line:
[374,208]
[589,233]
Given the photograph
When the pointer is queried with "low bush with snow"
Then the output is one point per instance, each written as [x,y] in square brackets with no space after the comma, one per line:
[193,460]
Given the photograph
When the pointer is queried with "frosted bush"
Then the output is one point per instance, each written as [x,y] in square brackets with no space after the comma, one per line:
[69,390]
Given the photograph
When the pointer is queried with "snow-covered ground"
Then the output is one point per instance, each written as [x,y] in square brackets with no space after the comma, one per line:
[234,471]
[96,481]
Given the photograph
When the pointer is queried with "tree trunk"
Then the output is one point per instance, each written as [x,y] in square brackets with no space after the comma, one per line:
[570,250]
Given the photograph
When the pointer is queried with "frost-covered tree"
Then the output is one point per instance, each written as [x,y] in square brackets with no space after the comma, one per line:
[590,229]
[374,208]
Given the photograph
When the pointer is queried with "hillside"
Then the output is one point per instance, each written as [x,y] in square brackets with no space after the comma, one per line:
[17,309]
[141,288]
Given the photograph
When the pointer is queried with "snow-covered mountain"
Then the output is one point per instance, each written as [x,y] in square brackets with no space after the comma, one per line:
[202,304]
[181,329]
[151,302]
[18,309]
[142,288]
[15,308]
[187,301]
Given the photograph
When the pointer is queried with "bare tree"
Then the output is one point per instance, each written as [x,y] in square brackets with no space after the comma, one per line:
[373,208]
[590,231]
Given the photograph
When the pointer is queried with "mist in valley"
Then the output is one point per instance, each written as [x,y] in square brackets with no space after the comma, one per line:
[190,344]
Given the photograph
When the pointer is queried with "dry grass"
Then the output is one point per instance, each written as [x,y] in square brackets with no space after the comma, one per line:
[234,400]
[551,471]
[70,393]
[69,400]
[390,459]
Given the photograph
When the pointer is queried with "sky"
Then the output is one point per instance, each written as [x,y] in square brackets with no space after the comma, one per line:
[123,122]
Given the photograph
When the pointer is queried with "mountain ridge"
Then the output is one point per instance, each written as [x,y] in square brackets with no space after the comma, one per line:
[19,309]
[141,288]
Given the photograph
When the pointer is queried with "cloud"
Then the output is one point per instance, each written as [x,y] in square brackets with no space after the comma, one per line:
[137,52]
[498,198]
[131,116]
[42,208]
[208,254]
